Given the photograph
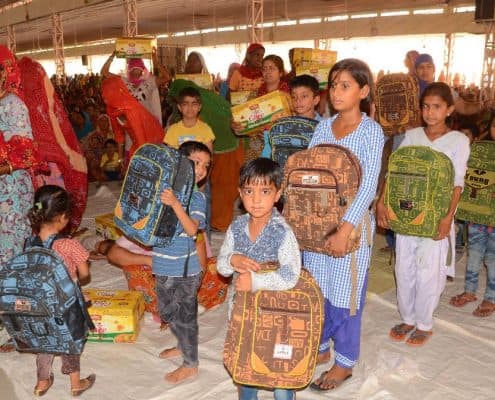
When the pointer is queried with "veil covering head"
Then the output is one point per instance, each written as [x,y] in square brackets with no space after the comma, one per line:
[136,63]
[12,79]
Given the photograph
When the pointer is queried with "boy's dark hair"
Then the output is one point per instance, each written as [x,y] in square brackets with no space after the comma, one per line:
[189,92]
[261,170]
[470,126]
[361,73]
[441,90]
[307,81]
[110,141]
[50,201]
[191,146]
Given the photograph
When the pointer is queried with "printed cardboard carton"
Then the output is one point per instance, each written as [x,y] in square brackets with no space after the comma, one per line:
[310,58]
[202,80]
[105,226]
[134,47]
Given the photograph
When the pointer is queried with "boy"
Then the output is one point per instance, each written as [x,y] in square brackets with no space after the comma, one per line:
[305,95]
[260,235]
[178,271]
[110,162]
[189,127]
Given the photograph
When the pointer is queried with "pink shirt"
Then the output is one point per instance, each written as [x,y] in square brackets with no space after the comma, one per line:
[73,254]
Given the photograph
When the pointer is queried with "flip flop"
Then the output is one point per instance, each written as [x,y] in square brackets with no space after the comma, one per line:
[400,331]
[333,383]
[484,309]
[462,299]
[421,336]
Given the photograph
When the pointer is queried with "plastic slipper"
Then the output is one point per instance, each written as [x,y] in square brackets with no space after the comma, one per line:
[400,331]
[419,338]
[484,309]
[462,299]
[7,347]
[88,384]
[42,392]
[332,383]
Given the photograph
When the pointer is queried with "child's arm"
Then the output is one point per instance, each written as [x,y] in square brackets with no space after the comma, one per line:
[190,225]
[83,271]
[446,223]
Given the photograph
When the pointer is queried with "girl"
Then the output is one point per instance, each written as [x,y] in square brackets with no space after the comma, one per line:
[420,262]
[481,242]
[49,216]
[350,90]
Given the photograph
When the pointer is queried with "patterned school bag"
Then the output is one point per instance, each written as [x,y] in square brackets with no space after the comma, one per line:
[288,135]
[273,336]
[41,307]
[319,184]
[477,202]
[420,181]
[397,103]
[139,213]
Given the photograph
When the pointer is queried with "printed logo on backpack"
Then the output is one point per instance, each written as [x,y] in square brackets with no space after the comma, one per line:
[319,185]
[139,213]
[420,181]
[41,307]
[288,135]
[477,202]
[397,103]
[273,336]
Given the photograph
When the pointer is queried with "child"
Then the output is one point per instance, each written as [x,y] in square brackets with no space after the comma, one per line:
[420,262]
[189,127]
[260,235]
[110,162]
[178,271]
[49,216]
[350,90]
[481,245]
[305,95]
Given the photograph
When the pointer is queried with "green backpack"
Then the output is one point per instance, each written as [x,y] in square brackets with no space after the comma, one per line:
[477,202]
[420,181]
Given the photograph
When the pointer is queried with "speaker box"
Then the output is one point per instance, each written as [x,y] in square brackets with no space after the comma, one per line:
[484,10]
[84,60]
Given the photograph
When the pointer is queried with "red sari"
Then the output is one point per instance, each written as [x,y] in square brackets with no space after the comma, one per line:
[57,142]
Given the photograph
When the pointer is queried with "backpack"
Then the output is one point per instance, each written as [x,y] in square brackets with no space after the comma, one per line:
[273,336]
[420,181]
[288,135]
[139,213]
[319,185]
[41,307]
[477,202]
[397,103]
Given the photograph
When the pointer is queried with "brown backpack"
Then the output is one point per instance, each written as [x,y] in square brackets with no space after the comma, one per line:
[397,103]
[319,184]
[273,336]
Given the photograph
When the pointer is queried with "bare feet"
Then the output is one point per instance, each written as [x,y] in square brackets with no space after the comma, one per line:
[173,352]
[332,379]
[181,374]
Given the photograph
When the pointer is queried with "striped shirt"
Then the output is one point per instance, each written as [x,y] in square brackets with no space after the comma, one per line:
[334,274]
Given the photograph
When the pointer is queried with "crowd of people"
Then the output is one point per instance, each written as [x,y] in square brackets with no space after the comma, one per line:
[112,116]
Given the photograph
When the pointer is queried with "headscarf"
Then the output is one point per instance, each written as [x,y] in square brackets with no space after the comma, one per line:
[138,63]
[423,58]
[8,63]
[141,125]
[247,71]
[53,132]
[204,69]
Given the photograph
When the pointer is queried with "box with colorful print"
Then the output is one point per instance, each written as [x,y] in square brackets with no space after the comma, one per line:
[241,97]
[202,80]
[116,315]
[310,58]
[105,227]
[133,47]
[319,73]
[256,114]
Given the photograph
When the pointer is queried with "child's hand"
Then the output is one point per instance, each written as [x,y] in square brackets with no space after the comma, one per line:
[444,228]
[243,282]
[242,264]
[382,215]
[337,244]
[236,126]
[168,198]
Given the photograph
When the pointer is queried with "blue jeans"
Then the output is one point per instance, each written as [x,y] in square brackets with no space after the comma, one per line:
[481,247]
[251,393]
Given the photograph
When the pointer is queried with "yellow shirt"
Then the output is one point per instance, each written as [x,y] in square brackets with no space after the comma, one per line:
[112,165]
[178,134]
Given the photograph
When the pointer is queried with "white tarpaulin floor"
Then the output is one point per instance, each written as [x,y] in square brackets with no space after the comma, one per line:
[457,363]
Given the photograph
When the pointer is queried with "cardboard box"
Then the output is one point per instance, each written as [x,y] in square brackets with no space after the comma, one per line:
[310,58]
[134,47]
[105,226]
[320,73]
[241,97]
[116,315]
[262,111]
[202,80]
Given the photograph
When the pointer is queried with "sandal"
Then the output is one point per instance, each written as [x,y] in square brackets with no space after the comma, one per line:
[8,346]
[400,331]
[462,299]
[484,309]
[87,383]
[419,338]
[41,392]
[323,357]
[327,384]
